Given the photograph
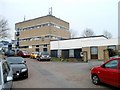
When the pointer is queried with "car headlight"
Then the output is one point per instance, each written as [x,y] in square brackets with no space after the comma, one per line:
[42,55]
[23,70]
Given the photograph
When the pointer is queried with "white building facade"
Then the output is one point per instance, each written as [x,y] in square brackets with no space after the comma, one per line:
[72,48]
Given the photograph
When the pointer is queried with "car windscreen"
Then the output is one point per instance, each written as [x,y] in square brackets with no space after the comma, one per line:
[45,53]
[25,52]
[0,77]
[15,60]
[36,53]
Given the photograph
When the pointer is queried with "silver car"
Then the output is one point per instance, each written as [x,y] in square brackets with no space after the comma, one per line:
[6,76]
[43,56]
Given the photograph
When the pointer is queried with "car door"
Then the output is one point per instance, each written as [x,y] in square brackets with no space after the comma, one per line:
[6,72]
[109,73]
[119,74]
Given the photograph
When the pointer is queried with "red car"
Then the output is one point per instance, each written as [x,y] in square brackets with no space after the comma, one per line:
[108,73]
[23,54]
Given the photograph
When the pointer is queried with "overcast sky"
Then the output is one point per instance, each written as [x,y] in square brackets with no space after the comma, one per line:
[98,15]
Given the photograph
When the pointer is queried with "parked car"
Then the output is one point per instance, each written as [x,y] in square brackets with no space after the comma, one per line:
[23,53]
[9,53]
[108,73]
[43,56]
[6,75]
[34,54]
[19,67]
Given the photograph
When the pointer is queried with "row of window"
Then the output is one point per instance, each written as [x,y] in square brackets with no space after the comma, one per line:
[36,46]
[42,25]
[40,38]
[78,53]
[94,50]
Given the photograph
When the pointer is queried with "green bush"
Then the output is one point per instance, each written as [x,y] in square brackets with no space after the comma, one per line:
[64,60]
[55,59]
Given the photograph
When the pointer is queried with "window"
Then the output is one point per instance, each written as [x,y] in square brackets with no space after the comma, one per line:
[24,47]
[51,24]
[37,49]
[112,47]
[38,26]
[71,53]
[47,36]
[37,45]
[36,38]
[94,52]
[44,49]
[7,67]
[57,26]
[45,45]
[45,24]
[112,64]
[42,38]
[5,72]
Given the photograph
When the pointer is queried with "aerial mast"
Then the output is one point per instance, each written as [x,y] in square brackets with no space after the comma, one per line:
[50,11]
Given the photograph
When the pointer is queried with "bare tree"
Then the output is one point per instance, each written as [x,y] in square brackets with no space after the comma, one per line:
[73,33]
[87,32]
[107,34]
[4,28]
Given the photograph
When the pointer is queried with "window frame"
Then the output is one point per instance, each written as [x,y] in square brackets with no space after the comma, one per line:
[94,55]
[91,50]
[109,47]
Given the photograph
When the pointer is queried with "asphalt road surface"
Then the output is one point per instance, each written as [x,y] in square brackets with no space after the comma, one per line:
[56,75]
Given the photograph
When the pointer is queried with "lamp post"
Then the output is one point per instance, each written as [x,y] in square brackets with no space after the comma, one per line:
[17,40]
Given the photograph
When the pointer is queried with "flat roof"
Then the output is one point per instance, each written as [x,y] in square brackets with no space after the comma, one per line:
[82,37]
[41,17]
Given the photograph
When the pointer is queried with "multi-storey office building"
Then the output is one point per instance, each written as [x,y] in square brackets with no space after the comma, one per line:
[35,34]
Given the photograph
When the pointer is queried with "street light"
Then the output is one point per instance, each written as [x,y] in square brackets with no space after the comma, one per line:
[17,39]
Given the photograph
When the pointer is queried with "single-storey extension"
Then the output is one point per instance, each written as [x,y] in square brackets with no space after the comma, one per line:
[93,47]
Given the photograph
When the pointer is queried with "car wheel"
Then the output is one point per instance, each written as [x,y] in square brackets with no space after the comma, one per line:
[26,76]
[95,79]
[38,58]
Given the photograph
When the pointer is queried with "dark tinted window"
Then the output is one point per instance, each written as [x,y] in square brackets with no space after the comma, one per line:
[45,53]
[35,52]
[25,52]
[112,47]
[5,72]
[7,66]
[13,60]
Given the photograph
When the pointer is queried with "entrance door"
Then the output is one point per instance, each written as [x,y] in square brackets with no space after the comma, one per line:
[77,53]
[94,52]
[65,54]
